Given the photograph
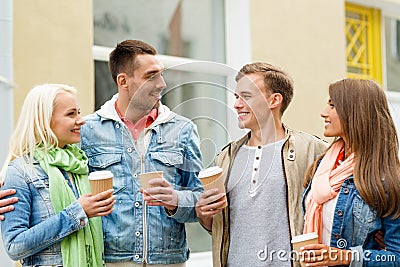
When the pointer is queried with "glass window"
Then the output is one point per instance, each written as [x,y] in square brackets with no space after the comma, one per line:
[392,32]
[186,28]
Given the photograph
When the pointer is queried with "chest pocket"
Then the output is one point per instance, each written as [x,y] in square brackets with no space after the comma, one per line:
[41,184]
[362,212]
[111,162]
[102,161]
[168,157]
[169,161]
[365,220]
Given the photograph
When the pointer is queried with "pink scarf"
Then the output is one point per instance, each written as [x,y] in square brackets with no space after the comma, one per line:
[326,184]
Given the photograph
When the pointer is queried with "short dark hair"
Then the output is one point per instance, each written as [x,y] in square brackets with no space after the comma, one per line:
[122,58]
[275,80]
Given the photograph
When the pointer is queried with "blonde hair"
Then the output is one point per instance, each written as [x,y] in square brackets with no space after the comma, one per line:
[33,125]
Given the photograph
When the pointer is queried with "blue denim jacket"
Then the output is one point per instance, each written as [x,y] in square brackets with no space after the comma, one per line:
[354,226]
[171,145]
[32,232]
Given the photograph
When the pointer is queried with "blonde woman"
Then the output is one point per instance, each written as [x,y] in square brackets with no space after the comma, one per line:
[353,189]
[55,221]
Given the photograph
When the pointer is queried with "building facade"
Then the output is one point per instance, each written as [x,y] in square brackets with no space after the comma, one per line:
[202,44]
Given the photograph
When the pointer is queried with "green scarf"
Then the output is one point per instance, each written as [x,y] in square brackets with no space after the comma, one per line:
[83,248]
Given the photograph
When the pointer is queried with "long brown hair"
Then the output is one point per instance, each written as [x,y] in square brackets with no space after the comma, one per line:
[371,134]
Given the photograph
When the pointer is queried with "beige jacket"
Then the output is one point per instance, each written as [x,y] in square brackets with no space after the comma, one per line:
[299,151]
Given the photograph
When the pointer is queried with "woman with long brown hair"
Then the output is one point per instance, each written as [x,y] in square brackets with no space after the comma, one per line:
[353,189]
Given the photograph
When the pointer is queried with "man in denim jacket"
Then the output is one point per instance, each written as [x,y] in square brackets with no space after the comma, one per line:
[134,133]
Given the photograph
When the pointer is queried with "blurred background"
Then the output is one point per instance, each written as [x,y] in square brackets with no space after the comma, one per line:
[317,42]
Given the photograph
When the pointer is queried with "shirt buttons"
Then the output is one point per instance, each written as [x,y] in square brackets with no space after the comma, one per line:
[137,257]
[137,233]
[129,149]
[259,147]
[254,181]
[257,158]
[137,204]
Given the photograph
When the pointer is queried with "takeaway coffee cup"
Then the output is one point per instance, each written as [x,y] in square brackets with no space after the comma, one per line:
[302,240]
[211,178]
[147,176]
[100,181]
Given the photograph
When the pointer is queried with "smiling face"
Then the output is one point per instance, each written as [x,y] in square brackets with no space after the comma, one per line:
[66,121]
[147,83]
[333,127]
[252,102]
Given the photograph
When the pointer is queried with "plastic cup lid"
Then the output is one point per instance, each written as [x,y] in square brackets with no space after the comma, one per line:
[300,238]
[210,172]
[99,175]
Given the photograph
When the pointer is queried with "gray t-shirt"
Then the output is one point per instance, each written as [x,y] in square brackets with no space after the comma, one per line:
[259,230]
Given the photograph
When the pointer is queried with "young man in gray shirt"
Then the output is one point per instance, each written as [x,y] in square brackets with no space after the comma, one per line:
[263,173]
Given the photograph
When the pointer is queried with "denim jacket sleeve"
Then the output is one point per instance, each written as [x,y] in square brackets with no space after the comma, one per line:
[21,238]
[388,257]
[191,186]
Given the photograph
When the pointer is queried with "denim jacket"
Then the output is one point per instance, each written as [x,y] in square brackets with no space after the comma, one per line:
[354,226]
[32,232]
[135,231]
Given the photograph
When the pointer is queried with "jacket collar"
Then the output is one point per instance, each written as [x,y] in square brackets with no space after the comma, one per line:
[108,112]
[289,141]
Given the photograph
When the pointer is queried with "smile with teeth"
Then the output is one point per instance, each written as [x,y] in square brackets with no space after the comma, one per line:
[242,114]
[76,130]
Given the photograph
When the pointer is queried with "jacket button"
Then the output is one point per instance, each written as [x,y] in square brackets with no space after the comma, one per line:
[117,126]
[137,257]
[82,222]
[337,236]
[129,149]
[346,190]
[135,175]
[22,261]
[137,204]
[137,233]
[340,213]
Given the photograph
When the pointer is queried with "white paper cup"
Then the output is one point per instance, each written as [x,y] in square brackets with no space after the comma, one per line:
[100,181]
[302,240]
[147,176]
[211,178]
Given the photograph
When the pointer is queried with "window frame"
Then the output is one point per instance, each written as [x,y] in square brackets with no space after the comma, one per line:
[388,9]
